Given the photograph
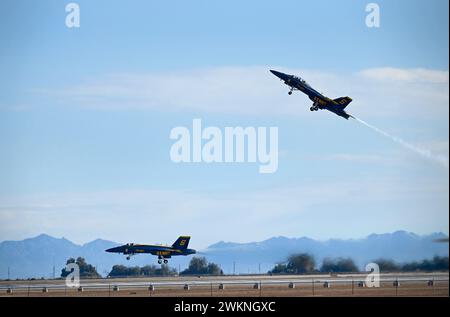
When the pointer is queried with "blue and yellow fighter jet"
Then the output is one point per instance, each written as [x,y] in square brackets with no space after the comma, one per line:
[336,106]
[180,247]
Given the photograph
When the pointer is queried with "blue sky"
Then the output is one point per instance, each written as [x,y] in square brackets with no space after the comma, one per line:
[85,116]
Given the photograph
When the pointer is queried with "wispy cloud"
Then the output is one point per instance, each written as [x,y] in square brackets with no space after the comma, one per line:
[358,158]
[418,75]
[254,91]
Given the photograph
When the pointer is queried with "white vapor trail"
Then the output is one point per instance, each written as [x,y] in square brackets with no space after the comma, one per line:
[442,160]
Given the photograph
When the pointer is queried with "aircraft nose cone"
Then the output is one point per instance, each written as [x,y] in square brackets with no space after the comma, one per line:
[278,74]
[113,250]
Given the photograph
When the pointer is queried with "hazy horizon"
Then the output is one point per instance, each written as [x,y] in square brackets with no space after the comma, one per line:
[81,243]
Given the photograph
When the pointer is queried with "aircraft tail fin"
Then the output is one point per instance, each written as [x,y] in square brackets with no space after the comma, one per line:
[181,243]
[343,101]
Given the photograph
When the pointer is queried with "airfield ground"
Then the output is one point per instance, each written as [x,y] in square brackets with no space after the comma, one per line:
[412,284]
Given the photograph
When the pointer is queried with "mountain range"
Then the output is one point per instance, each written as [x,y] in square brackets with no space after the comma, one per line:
[45,256]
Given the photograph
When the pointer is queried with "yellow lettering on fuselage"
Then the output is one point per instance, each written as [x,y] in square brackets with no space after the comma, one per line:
[320,101]
[163,253]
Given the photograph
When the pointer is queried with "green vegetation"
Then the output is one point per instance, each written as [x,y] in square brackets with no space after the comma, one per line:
[148,270]
[297,264]
[438,263]
[86,270]
[305,263]
[338,265]
[200,266]
[387,265]
[197,266]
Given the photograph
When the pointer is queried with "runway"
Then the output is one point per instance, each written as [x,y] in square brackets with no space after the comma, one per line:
[406,284]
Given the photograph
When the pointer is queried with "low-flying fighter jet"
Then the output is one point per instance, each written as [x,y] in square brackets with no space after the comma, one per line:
[180,247]
[336,106]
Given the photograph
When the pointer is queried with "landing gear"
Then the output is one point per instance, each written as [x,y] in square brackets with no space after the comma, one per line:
[314,107]
[128,258]
[290,93]
[162,260]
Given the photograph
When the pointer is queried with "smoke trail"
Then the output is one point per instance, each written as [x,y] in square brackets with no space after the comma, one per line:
[422,152]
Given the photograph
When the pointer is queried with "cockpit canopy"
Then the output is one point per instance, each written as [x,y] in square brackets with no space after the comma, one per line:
[301,80]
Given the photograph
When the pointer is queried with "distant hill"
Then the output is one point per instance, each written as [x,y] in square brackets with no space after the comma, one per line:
[400,246]
[36,257]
